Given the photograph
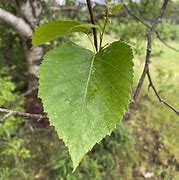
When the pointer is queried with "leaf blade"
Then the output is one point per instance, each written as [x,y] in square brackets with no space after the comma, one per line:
[54,29]
[87,97]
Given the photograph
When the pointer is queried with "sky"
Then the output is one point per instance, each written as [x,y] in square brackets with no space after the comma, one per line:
[62,2]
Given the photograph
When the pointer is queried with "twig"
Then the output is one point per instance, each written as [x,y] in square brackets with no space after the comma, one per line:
[103,30]
[146,67]
[135,16]
[147,61]
[93,22]
[10,113]
[7,116]
[162,11]
[148,51]
[149,27]
[151,30]
[165,43]
[158,95]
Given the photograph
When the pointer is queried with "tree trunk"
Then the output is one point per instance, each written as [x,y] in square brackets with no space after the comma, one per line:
[23,22]
[33,57]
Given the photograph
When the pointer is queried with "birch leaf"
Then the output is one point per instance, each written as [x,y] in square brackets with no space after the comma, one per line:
[85,94]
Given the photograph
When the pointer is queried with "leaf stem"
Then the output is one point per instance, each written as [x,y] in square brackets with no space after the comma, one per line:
[104,27]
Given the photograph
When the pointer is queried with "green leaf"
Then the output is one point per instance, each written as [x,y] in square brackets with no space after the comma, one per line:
[116,8]
[85,95]
[54,29]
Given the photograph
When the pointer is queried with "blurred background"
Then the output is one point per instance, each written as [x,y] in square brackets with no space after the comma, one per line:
[144,147]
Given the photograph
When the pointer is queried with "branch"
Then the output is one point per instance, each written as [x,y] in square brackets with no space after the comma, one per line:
[148,51]
[65,8]
[147,61]
[10,113]
[164,42]
[149,27]
[16,23]
[135,16]
[162,11]
[93,22]
[146,67]
[151,84]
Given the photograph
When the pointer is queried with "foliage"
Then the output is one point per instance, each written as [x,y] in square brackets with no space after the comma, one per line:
[13,62]
[11,151]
